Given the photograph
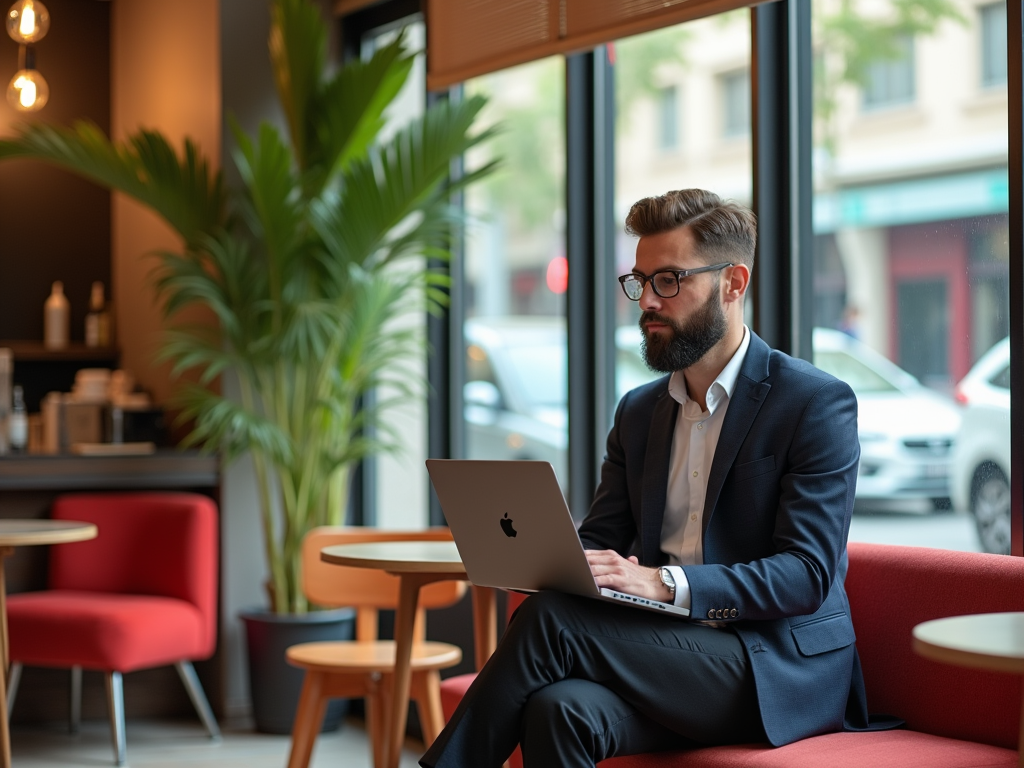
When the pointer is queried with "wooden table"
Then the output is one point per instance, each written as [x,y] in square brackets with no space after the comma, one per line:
[23,533]
[991,641]
[416,563]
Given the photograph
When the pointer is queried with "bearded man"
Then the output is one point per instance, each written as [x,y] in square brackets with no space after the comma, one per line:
[727,488]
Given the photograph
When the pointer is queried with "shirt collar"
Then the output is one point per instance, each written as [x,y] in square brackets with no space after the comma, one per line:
[722,387]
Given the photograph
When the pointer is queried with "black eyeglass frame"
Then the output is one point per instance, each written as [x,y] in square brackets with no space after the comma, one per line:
[679,273]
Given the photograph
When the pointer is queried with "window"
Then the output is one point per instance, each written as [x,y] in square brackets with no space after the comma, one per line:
[993,44]
[911,278]
[890,79]
[735,104]
[515,273]
[668,118]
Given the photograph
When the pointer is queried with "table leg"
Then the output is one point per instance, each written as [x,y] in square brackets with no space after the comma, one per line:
[405,616]
[485,624]
[5,733]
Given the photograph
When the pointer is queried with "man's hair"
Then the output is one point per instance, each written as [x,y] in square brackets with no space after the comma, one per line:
[721,228]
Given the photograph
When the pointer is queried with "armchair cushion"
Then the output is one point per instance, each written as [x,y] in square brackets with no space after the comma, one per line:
[111,632]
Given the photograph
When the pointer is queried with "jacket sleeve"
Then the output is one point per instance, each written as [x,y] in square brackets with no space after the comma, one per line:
[792,573]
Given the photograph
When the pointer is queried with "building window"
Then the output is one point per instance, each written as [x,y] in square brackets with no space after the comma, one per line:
[668,118]
[993,44]
[890,81]
[736,104]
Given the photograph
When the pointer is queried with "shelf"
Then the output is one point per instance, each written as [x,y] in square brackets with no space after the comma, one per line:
[34,351]
[166,468]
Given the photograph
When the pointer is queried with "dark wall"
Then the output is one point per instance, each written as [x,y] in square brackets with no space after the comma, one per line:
[53,225]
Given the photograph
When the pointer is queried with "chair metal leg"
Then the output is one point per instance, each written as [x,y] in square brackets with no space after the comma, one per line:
[195,692]
[75,719]
[115,701]
[13,678]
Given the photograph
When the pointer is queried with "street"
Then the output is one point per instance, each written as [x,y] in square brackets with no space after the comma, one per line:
[943,530]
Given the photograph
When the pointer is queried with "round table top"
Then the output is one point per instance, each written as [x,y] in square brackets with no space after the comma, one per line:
[398,556]
[18,533]
[993,641]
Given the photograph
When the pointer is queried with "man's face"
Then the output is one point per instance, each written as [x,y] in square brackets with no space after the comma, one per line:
[680,330]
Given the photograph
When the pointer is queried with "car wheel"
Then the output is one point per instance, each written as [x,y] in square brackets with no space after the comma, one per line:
[990,505]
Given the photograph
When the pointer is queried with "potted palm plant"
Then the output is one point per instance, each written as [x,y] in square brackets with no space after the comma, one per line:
[305,266]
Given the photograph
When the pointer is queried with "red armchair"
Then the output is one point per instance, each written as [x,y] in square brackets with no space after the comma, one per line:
[142,594]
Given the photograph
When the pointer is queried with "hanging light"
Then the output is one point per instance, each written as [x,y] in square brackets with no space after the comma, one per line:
[28,90]
[28,21]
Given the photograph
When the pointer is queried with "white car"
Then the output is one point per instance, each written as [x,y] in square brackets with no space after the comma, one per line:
[906,430]
[981,459]
[515,392]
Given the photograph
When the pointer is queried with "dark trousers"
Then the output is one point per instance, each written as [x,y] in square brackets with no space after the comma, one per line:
[577,680]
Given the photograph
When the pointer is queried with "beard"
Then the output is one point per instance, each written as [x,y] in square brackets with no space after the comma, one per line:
[687,343]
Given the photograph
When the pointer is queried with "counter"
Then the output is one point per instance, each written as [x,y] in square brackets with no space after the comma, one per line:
[166,469]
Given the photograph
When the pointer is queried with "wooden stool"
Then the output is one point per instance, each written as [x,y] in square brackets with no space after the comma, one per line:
[348,670]
[363,668]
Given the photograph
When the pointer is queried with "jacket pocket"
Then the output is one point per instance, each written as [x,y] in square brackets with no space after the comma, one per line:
[753,468]
[825,634]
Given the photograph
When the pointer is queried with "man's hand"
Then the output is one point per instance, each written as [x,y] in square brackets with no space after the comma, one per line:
[624,574]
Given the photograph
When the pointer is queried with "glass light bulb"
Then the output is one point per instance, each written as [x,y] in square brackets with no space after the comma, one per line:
[28,91]
[28,21]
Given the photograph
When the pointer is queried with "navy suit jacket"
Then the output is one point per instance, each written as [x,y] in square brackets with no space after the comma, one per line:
[776,518]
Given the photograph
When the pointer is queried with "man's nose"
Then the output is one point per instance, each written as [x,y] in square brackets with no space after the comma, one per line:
[648,298]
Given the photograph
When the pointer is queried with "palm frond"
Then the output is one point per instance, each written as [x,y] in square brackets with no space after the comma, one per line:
[298,51]
[184,190]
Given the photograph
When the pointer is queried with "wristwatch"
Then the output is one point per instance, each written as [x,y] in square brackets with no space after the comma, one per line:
[668,580]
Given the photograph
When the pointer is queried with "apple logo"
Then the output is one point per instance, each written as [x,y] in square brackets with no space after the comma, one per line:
[506,526]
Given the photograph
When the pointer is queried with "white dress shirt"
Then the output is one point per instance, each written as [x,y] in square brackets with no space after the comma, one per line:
[693,449]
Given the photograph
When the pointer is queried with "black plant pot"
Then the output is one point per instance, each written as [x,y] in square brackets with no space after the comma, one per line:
[274,684]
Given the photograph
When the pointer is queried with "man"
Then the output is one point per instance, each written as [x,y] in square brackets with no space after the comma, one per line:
[727,488]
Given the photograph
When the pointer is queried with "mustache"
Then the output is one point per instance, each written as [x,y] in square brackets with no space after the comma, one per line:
[648,316]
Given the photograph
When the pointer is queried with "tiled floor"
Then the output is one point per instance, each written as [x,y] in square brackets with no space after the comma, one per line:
[172,743]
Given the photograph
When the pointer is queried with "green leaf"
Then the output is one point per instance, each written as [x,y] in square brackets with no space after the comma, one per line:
[183,190]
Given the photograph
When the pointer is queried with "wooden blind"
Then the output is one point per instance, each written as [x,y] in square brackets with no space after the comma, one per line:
[467,38]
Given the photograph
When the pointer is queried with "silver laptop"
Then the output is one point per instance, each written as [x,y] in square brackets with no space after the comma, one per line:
[513,529]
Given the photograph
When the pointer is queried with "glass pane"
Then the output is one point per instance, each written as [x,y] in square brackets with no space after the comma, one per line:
[993,44]
[400,479]
[911,261]
[515,273]
[706,65]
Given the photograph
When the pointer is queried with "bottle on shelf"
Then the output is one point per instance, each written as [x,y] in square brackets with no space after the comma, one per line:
[18,426]
[97,321]
[55,318]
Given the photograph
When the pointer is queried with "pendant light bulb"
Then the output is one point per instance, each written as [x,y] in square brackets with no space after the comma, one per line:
[28,21]
[28,91]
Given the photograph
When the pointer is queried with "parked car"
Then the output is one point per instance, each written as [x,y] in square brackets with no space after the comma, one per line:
[515,405]
[981,458]
[515,392]
[906,429]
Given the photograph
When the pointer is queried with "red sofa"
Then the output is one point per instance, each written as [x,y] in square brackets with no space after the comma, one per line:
[956,718]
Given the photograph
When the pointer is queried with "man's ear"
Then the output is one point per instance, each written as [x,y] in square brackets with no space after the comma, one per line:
[735,282]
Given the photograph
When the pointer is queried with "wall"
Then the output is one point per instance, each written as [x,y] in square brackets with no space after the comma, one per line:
[158,81]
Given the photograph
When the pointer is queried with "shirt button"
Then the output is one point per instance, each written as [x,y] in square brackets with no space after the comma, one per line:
[693,517]
[700,426]
[695,473]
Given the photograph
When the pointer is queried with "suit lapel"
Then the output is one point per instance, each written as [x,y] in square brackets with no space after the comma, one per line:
[751,390]
[655,484]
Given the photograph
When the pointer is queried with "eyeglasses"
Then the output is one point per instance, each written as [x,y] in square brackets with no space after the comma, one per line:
[665,282]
